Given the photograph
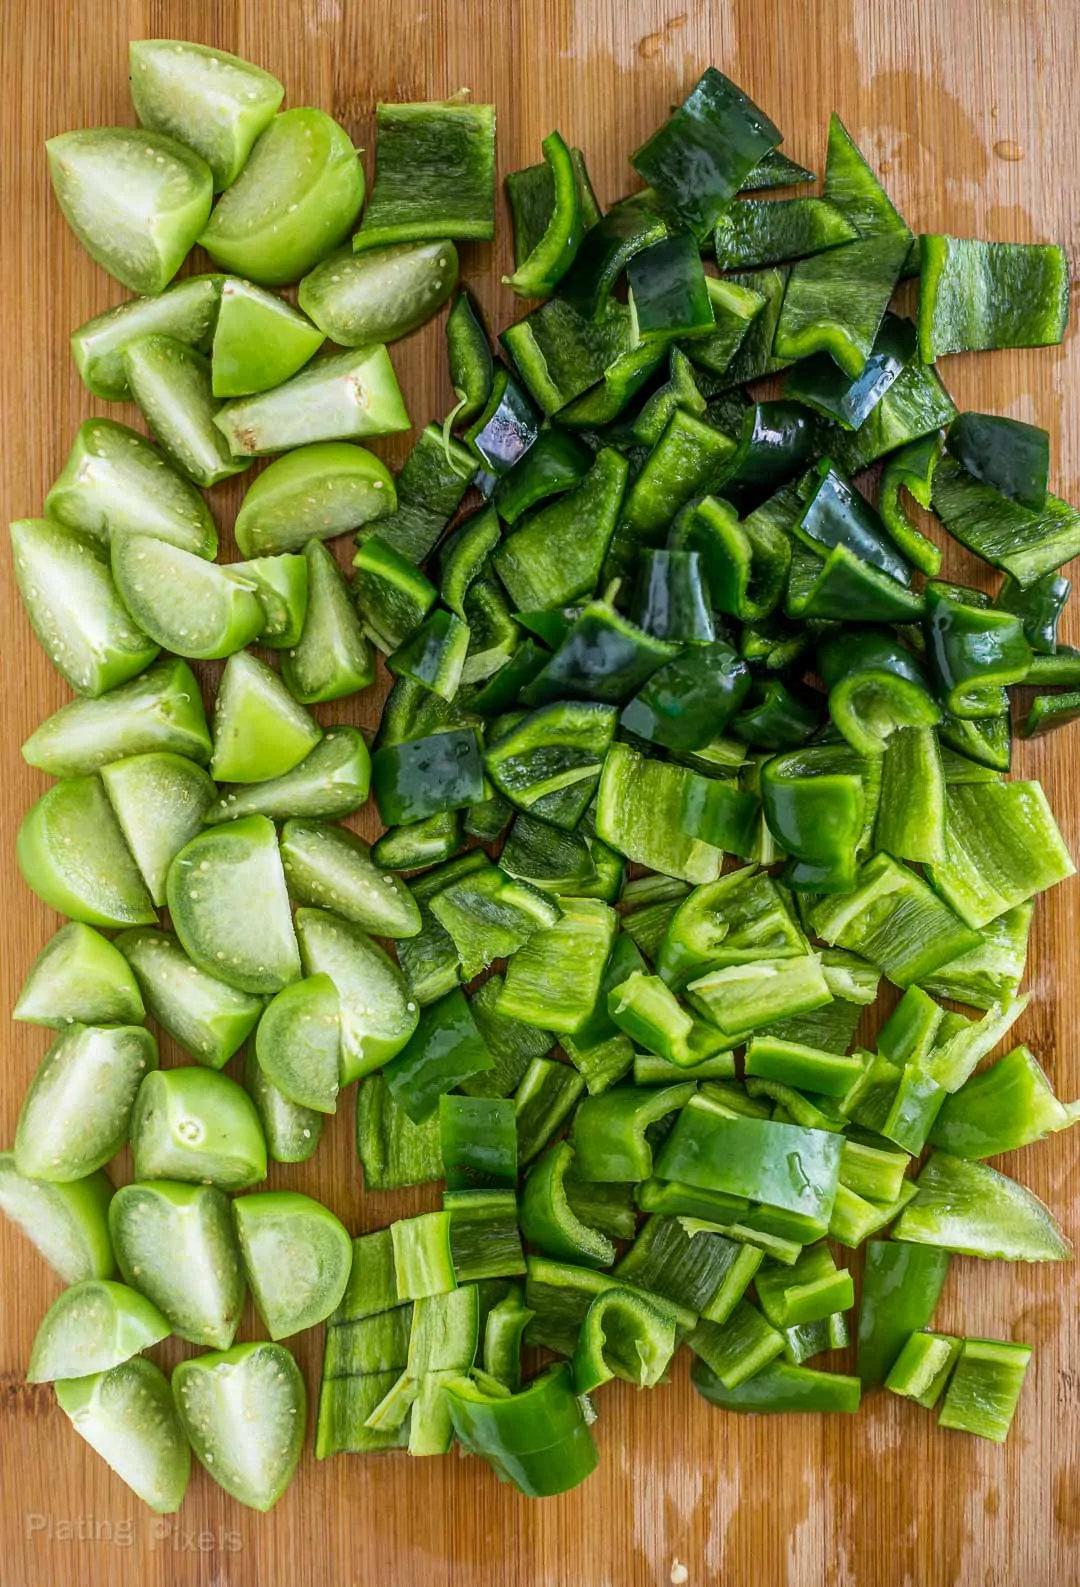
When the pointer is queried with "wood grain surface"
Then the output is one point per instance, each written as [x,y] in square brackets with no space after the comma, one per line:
[969,111]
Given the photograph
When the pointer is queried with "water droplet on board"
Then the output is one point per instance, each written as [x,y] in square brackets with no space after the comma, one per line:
[1007,149]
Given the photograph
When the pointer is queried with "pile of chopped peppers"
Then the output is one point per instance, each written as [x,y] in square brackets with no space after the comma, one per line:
[691,747]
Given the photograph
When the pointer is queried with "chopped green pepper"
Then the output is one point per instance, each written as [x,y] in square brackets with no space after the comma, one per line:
[968,1207]
[974,295]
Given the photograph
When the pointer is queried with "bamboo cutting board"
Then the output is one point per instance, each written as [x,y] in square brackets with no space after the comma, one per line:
[968,110]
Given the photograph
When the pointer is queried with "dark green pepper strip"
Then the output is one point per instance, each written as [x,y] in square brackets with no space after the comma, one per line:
[781,1165]
[901,1287]
[392,594]
[500,692]
[835,301]
[506,428]
[1048,711]
[777,717]
[974,295]
[763,231]
[545,1097]
[549,761]
[974,650]
[609,1133]
[1007,1106]
[424,776]
[549,1222]
[503,1327]
[668,292]
[680,390]
[434,654]
[821,384]
[1002,846]
[532,196]
[559,353]
[775,170]
[735,310]
[434,174]
[420,843]
[876,686]
[622,1336]
[472,367]
[1003,532]
[777,442]
[445,1049]
[738,919]
[895,920]
[1062,667]
[851,185]
[689,700]
[815,803]
[912,468]
[484,1238]
[967,1207]
[1038,607]
[463,555]
[604,658]
[555,463]
[842,587]
[479,1142]
[430,485]
[698,160]
[717,811]
[984,1388]
[755,357]
[780,1387]
[512,1044]
[745,563]
[556,553]
[1011,456]
[606,250]
[537,1439]
[986,740]
[916,404]
[670,601]
[835,513]
[687,458]
[541,267]
[914,1108]
[623,378]
[411,711]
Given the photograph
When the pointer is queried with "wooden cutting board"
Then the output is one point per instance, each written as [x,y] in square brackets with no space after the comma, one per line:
[969,111]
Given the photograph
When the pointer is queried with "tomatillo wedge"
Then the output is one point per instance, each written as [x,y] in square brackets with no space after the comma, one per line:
[161,709]
[75,609]
[91,1327]
[297,1256]
[298,1043]
[331,868]
[159,801]
[189,606]
[72,854]
[127,1416]
[292,1132]
[136,200]
[281,589]
[117,482]
[377,1014]
[214,102]
[259,340]
[259,729]
[342,396]
[187,311]
[381,294]
[171,383]
[314,493]
[332,781]
[76,1111]
[199,1127]
[245,1412]
[210,1019]
[67,1223]
[230,908]
[295,200]
[331,657]
[79,977]
[176,1245]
